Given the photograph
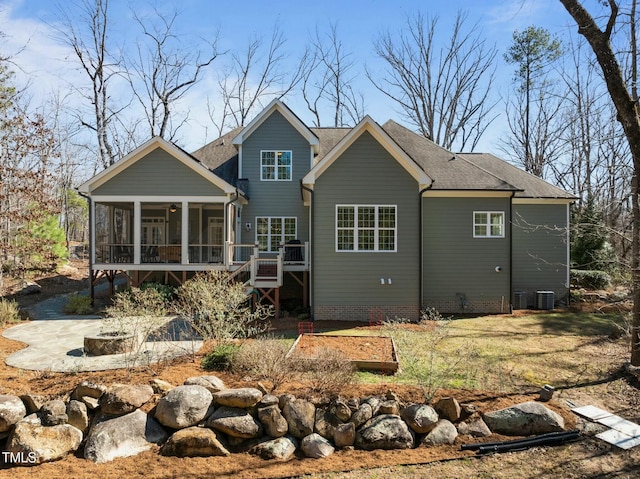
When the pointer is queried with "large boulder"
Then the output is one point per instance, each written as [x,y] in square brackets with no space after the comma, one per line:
[193,442]
[362,415]
[326,422]
[274,423]
[123,436]
[443,433]
[125,398]
[474,426]
[37,443]
[212,383]
[524,419]
[315,446]
[385,432]
[449,408]
[12,409]
[345,435]
[89,393]
[235,422]
[300,416]
[421,418]
[184,406]
[241,397]
[281,448]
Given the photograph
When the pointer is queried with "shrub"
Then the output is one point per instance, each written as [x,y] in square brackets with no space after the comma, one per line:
[265,358]
[329,371]
[166,292]
[219,308]
[78,304]
[589,279]
[9,312]
[221,357]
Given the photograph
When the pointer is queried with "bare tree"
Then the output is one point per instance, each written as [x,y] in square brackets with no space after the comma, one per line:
[327,81]
[442,91]
[625,100]
[255,75]
[166,70]
[85,28]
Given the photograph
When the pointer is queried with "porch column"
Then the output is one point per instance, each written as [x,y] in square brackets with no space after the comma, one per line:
[92,233]
[137,231]
[184,242]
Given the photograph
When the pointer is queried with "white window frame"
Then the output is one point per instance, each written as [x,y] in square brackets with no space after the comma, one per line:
[284,237]
[376,230]
[487,226]
[276,166]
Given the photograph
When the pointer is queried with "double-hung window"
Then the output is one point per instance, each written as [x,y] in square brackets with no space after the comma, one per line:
[275,165]
[272,231]
[366,228]
[488,224]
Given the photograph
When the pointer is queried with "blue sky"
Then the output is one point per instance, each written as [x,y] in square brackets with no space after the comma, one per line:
[47,66]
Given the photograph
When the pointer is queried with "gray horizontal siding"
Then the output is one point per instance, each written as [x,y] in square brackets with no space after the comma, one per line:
[158,173]
[366,174]
[540,249]
[456,263]
[275,198]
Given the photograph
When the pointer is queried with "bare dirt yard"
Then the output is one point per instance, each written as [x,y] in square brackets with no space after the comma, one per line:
[581,354]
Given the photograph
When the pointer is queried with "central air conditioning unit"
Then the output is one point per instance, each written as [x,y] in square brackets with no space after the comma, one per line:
[520,300]
[545,299]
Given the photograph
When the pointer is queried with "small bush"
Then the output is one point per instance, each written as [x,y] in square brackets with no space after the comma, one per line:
[78,304]
[165,291]
[9,312]
[221,358]
[590,279]
[330,371]
[264,358]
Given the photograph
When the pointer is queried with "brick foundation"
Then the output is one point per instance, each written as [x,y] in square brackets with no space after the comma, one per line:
[365,312]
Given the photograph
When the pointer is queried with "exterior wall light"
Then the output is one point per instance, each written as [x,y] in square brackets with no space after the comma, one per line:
[173,208]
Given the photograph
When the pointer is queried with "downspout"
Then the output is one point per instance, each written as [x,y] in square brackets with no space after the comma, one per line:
[227,233]
[513,193]
[421,248]
[91,247]
[311,253]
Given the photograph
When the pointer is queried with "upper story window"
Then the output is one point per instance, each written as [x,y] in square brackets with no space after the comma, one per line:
[366,228]
[488,224]
[275,165]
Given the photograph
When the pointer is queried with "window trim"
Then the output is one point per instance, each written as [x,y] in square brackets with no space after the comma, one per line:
[268,235]
[275,166]
[488,225]
[376,228]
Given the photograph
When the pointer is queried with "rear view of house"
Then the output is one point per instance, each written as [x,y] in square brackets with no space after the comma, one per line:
[350,222]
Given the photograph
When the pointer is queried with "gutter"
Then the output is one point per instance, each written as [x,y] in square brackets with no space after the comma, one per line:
[91,246]
[311,242]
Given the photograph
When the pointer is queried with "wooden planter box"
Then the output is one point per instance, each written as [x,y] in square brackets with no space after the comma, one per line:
[367,353]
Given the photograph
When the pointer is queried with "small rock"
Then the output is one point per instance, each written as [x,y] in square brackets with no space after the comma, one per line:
[342,411]
[28,288]
[315,446]
[268,400]
[282,448]
[275,425]
[421,418]
[78,416]
[362,415]
[389,406]
[345,435]
[184,406]
[53,413]
[161,387]
[443,433]
[546,393]
[212,383]
[194,442]
[88,389]
[12,409]
[33,402]
[474,426]
[235,422]
[125,398]
[241,397]
[449,408]
[91,403]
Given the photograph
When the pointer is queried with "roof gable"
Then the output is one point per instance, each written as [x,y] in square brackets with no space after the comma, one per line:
[141,152]
[292,118]
[368,125]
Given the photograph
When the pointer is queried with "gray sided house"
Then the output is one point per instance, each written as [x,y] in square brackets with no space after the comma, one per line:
[355,223]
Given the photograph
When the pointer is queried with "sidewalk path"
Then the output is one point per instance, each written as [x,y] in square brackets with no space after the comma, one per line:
[56,341]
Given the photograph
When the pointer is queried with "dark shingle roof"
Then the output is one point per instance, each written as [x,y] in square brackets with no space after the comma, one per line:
[532,186]
[448,171]
[221,156]
[328,137]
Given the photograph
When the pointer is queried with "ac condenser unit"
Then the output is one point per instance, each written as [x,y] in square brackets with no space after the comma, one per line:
[545,299]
